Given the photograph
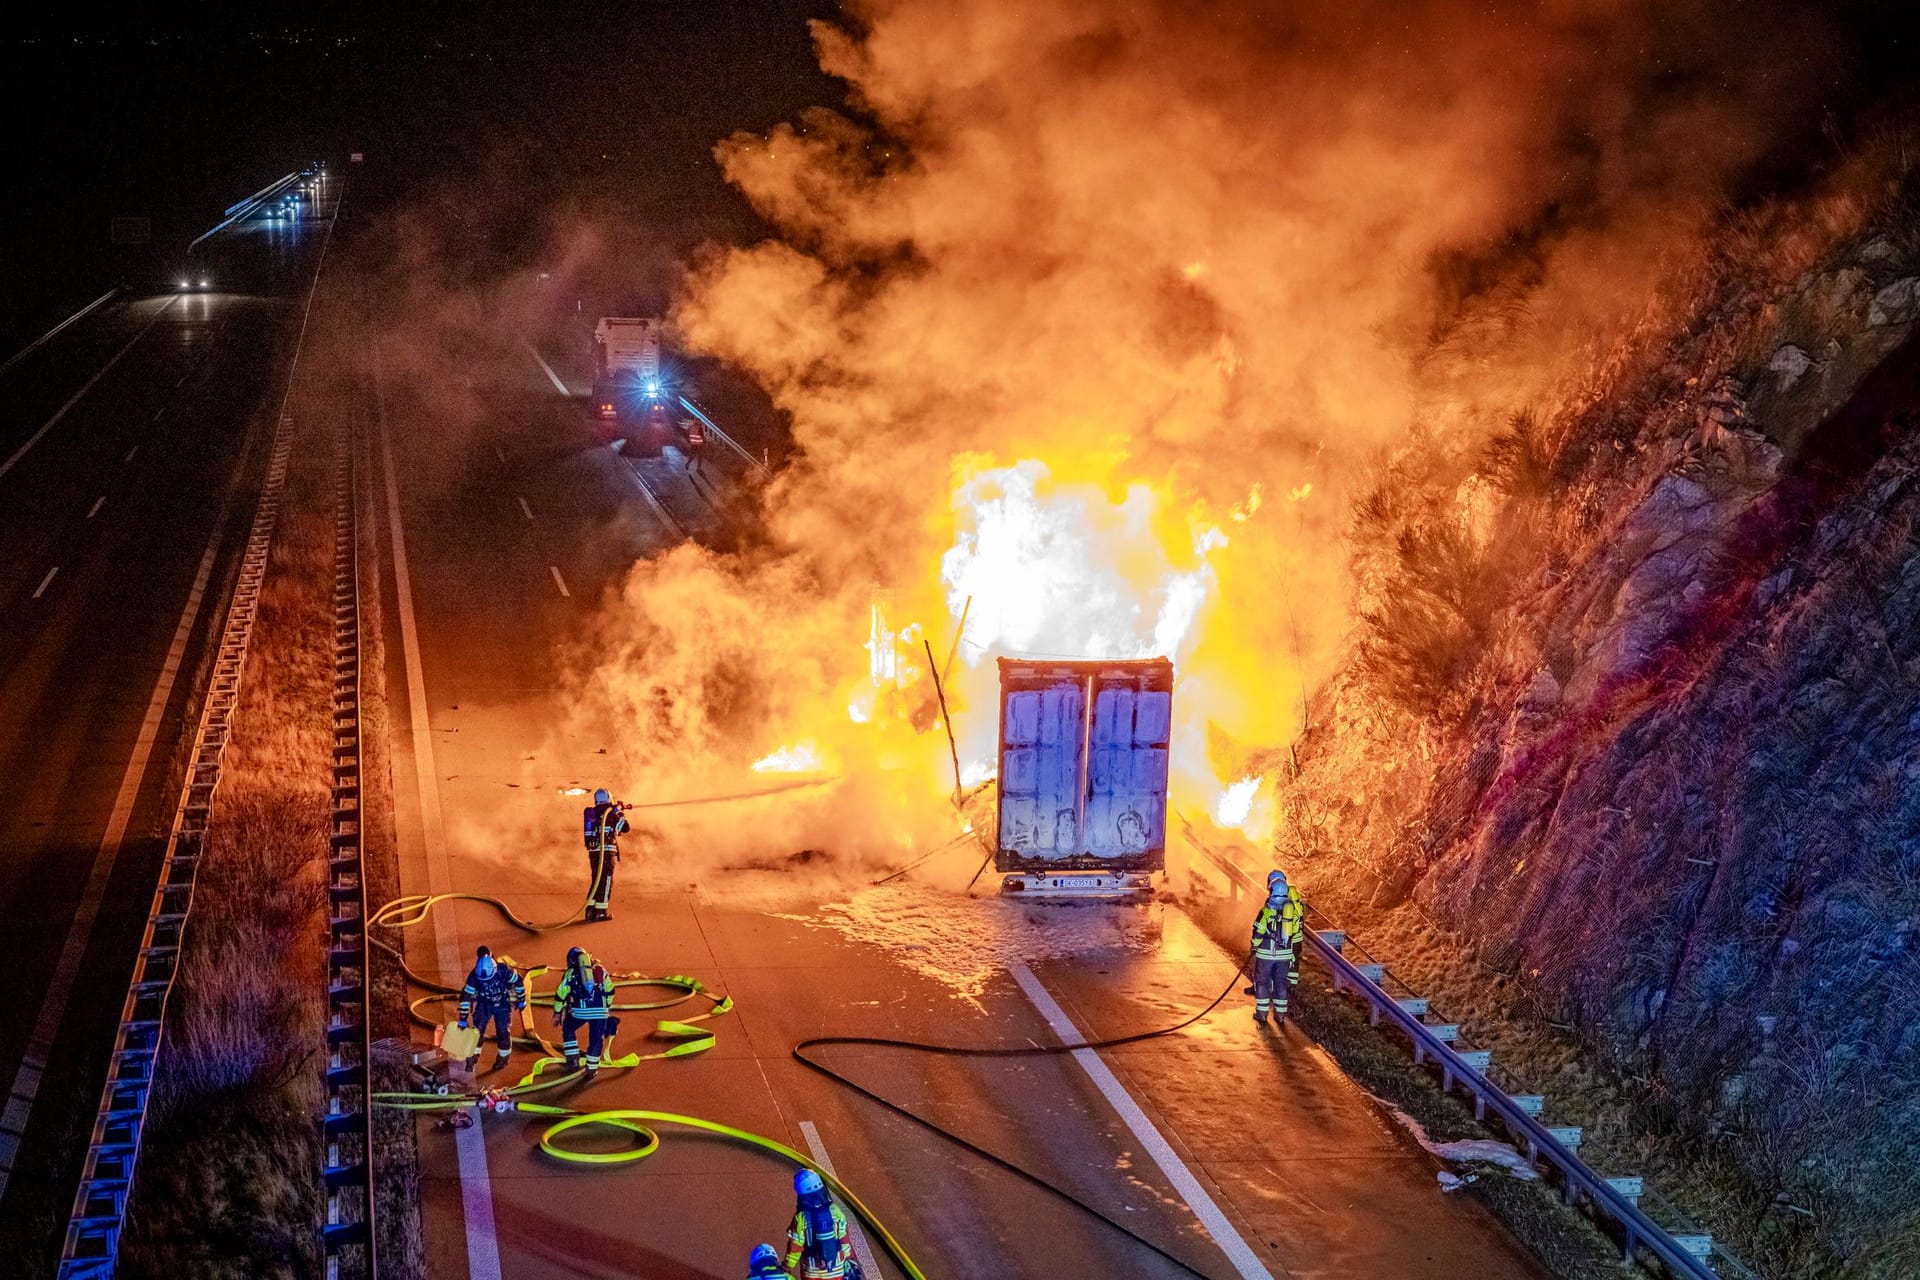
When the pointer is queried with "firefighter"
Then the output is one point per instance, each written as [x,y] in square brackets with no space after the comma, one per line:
[820,1243]
[1276,946]
[764,1264]
[603,824]
[584,998]
[492,992]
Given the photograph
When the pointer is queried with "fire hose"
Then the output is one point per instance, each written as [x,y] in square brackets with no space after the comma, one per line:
[1024,1051]
[413,909]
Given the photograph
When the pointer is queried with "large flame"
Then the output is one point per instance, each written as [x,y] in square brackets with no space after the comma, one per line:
[1091,321]
[1065,571]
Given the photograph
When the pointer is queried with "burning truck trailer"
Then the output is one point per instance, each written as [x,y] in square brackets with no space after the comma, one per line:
[1083,776]
[632,385]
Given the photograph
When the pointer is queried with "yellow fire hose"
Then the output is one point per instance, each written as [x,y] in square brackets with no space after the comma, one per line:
[412,909]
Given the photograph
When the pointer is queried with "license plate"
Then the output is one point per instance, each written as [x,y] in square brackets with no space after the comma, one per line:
[1078,882]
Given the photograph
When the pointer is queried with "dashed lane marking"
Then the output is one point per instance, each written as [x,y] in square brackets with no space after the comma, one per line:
[94,510]
[130,453]
[559,581]
[526,510]
[53,1007]
[45,582]
[818,1150]
[1185,1185]
[546,368]
[74,399]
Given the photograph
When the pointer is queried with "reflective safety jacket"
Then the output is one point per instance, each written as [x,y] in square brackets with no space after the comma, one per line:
[504,987]
[821,1240]
[580,997]
[603,825]
[1276,930]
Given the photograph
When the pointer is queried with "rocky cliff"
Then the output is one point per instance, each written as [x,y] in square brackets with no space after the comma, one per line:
[1636,710]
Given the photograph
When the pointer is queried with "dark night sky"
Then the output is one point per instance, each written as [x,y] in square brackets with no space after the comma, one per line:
[175,117]
[179,112]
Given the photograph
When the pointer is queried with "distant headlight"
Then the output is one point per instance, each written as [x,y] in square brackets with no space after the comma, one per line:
[186,284]
[203,284]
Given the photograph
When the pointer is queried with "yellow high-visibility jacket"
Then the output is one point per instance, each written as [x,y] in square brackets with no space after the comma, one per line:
[1276,930]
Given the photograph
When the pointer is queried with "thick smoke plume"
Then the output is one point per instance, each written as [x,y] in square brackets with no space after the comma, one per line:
[1096,313]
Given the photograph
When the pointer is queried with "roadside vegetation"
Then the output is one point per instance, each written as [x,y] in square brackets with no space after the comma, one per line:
[228,1180]
[229,1177]
[1605,774]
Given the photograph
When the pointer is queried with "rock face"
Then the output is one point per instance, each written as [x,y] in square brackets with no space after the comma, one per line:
[1682,800]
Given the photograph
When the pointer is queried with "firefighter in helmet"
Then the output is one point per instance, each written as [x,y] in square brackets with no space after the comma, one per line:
[493,991]
[1277,933]
[820,1242]
[764,1264]
[603,823]
[584,998]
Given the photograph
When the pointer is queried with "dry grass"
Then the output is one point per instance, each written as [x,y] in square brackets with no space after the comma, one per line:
[228,1182]
[1425,773]
[395,1148]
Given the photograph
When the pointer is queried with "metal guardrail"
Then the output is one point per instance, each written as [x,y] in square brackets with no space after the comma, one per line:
[91,1250]
[245,207]
[347,1237]
[758,467]
[1578,1181]
[651,497]
[54,332]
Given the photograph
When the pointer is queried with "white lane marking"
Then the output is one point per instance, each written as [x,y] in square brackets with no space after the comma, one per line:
[45,582]
[50,334]
[26,1079]
[818,1150]
[1244,1260]
[94,510]
[546,368]
[559,581]
[183,379]
[26,1082]
[525,509]
[500,455]
[476,1183]
[157,415]
[652,500]
[74,399]
[130,453]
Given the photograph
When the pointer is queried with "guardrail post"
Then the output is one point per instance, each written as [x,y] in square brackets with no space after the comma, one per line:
[1518,1114]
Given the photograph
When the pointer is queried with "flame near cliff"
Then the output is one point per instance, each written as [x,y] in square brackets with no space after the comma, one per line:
[1091,316]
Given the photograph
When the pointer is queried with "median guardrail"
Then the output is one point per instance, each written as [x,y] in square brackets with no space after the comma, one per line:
[758,467]
[91,1249]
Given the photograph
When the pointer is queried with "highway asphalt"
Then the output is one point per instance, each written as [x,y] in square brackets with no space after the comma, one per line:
[1239,1152]
[131,445]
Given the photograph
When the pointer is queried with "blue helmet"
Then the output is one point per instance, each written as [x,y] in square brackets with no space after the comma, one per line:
[1276,884]
[764,1255]
[485,967]
[603,796]
[809,1186]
